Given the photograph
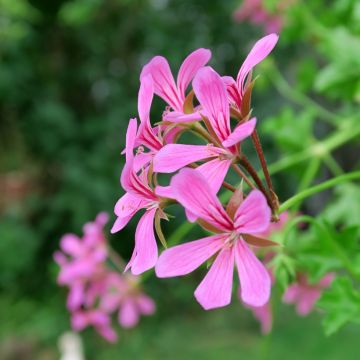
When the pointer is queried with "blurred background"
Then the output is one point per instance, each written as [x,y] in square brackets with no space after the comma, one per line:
[69,77]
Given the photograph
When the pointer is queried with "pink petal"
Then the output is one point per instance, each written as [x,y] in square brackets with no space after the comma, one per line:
[79,320]
[164,84]
[255,280]
[76,296]
[183,259]
[146,135]
[145,97]
[145,304]
[71,245]
[142,159]
[215,289]
[264,315]
[145,244]
[253,215]
[240,133]
[292,294]
[258,53]
[125,209]
[193,192]
[180,117]
[196,60]
[211,93]
[108,333]
[164,191]
[232,90]
[307,301]
[215,172]
[173,157]
[128,314]
[327,280]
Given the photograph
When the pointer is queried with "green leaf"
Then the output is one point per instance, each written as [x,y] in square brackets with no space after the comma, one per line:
[341,303]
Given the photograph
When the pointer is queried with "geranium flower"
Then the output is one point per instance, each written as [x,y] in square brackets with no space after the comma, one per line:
[236,89]
[230,244]
[165,87]
[211,93]
[139,196]
[304,295]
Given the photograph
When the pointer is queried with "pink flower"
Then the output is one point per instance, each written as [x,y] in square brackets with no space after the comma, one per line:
[256,13]
[258,53]
[139,196]
[96,292]
[165,87]
[304,295]
[96,318]
[211,93]
[253,216]
[265,317]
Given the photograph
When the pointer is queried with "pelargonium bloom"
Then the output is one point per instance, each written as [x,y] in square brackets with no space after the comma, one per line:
[174,94]
[100,320]
[211,93]
[96,292]
[139,196]
[304,295]
[125,296]
[192,191]
[236,89]
[256,13]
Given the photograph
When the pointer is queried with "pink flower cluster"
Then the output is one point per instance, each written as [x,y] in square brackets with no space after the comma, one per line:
[95,291]
[256,12]
[151,150]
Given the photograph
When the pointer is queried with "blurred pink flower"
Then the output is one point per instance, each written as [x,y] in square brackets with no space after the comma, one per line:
[258,53]
[255,12]
[193,192]
[164,84]
[96,292]
[304,295]
[125,296]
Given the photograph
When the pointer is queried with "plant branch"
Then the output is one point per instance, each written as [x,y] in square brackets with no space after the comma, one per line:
[318,188]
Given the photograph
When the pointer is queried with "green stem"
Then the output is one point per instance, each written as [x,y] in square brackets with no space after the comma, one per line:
[318,188]
[307,179]
[333,165]
[319,149]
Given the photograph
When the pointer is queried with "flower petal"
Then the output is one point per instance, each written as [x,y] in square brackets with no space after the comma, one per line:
[215,172]
[128,315]
[255,280]
[193,192]
[183,259]
[164,191]
[258,53]
[240,133]
[71,245]
[173,157]
[232,90]
[211,93]
[253,215]
[125,209]
[145,304]
[145,251]
[180,117]
[215,289]
[164,84]
[196,60]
